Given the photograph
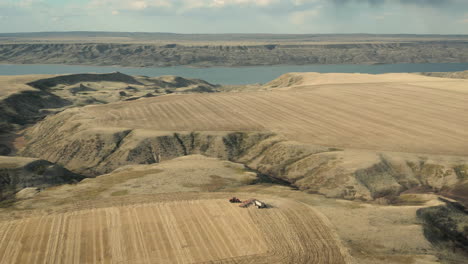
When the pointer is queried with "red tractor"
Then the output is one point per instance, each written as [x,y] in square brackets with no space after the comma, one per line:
[234,200]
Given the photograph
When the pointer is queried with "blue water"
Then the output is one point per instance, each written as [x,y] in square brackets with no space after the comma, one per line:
[233,75]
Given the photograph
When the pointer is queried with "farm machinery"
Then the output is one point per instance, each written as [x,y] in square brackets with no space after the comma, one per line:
[235,200]
[244,204]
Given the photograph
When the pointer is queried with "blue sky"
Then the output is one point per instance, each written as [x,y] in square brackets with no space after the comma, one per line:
[237,16]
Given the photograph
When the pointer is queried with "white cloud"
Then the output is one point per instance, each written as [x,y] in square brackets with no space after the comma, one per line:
[129,4]
[303,2]
[138,5]
[115,12]
[26,3]
[177,5]
[301,17]
[265,2]
[464,20]
[224,3]
[382,16]
[193,4]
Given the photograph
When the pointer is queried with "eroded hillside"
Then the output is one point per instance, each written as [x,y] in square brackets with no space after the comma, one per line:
[355,137]
[25,100]
[227,54]
[18,173]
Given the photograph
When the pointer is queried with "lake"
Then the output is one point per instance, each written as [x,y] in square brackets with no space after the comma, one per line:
[233,75]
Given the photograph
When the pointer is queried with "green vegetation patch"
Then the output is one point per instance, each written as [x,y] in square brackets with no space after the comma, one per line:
[428,170]
[446,226]
[120,193]
[335,149]
[40,169]
[461,171]
[216,183]
[408,199]
[7,203]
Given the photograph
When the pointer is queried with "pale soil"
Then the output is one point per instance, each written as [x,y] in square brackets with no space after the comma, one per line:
[390,112]
[197,231]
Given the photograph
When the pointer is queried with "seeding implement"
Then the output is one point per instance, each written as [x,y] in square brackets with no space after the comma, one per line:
[259,204]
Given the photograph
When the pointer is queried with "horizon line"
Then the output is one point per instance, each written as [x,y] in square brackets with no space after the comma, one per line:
[236,33]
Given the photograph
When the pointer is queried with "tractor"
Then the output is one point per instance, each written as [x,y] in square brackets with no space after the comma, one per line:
[234,200]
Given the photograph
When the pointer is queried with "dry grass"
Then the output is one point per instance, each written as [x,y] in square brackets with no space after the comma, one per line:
[102,184]
[193,173]
[16,84]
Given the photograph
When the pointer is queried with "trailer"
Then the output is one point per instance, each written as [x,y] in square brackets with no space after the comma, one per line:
[259,204]
[247,203]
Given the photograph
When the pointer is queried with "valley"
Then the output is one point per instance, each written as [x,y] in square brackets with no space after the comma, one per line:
[333,155]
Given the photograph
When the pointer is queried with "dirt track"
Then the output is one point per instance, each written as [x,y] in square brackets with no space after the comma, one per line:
[198,231]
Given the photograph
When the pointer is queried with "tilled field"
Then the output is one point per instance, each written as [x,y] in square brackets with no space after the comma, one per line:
[415,114]
[194,231]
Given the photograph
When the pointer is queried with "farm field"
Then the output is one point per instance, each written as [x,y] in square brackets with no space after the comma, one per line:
[164,167]
[191,231]
[389,112]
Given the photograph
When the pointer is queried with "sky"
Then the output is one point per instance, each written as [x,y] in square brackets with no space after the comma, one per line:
[237,16]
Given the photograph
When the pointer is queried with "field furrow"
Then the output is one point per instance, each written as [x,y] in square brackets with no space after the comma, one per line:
[387,116]
[197,231]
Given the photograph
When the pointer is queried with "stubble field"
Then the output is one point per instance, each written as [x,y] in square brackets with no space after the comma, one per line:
[196,231]
[391,112]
